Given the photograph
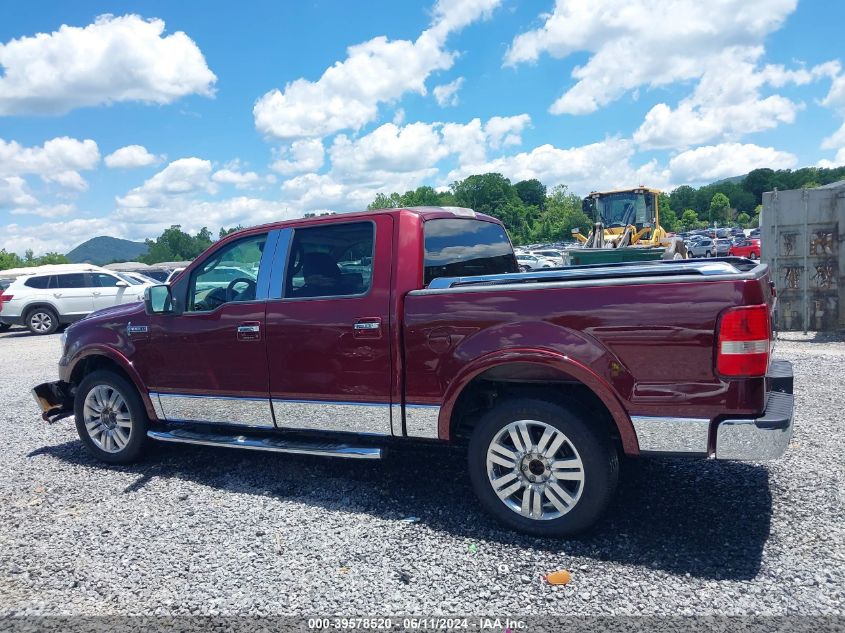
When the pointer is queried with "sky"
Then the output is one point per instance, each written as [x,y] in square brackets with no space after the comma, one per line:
[123,118]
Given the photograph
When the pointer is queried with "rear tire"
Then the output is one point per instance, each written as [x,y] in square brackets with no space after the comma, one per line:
[573,464]
[755,256]
[42,321]
[110,417]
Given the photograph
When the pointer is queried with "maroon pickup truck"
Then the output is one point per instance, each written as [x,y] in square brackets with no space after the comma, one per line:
[350,334]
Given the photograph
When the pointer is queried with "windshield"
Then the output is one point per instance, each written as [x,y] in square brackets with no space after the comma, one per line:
[622,209]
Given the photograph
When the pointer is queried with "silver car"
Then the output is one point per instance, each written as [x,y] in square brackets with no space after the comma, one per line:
[723,246]
[702,248]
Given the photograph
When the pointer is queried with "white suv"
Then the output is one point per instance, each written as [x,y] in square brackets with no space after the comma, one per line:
[42,301]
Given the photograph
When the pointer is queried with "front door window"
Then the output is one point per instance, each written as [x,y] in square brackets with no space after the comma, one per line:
[229,275]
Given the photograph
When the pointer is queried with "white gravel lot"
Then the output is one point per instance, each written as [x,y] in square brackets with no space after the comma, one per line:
[217,531]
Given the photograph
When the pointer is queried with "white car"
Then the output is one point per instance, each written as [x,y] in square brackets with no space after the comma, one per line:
[43,301]
[528,261]
[556,257]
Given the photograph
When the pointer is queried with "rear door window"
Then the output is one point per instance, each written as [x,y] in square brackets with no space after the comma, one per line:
[40,283]
[70,280]
[463,247]
[335,260]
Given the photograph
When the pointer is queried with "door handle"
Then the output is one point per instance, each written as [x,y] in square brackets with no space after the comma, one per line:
[57,295]
[249,331]
[96,294]
[368,327]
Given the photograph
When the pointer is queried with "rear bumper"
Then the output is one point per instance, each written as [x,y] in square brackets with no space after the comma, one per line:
[757,439]
[54,399]
[762,438]
[11,320]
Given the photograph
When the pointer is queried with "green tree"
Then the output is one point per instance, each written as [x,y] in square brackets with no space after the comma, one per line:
[683,197]
[720,207]
[531,192]
[383,201]
[743,219]
[176,245]
[689,220]
[9,260]
[224,231]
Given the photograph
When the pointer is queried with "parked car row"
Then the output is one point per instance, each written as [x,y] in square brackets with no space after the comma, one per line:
[539,259]
[739,246]
[47,299]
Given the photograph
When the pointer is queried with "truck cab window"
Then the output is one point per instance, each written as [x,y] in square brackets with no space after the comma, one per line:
[331,261]
[458,248]
[229,274]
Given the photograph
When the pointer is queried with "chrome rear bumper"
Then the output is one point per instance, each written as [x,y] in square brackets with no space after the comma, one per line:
[759,439]
[756,439]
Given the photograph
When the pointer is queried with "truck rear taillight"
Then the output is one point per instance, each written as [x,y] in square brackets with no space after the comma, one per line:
[3,299]
[744,342]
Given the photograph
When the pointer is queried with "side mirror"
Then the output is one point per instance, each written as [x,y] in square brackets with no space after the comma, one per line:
[158,300]
[122,284]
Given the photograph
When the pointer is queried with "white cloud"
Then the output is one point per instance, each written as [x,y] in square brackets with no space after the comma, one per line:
[48,211]
[388,148]
[13,193]
[602,165]
[304,155]
[713,162]
[57,236]
[241,180]
[182,176]
[348,94]
[635,43]
[503,131]
[131,156]
[727,103]
[114,59]
[835,99]
[447,94]
[58,160]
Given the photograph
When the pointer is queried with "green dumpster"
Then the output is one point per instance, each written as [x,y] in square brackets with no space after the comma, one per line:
[583,256]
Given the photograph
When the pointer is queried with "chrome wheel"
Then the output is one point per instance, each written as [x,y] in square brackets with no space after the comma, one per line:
[41,322]
[535,470]
[107,418]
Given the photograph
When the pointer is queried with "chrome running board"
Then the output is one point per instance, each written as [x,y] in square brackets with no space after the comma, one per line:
[272,444]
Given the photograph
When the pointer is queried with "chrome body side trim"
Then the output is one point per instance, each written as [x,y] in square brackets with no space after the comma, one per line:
[255,412]
[421,420]
[343,417]
[157,406]
[744,440]
[272,444]
[671,435]
[396,421]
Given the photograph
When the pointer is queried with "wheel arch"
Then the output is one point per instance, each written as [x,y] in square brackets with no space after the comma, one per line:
[30,308]
[534,373]
[106,359]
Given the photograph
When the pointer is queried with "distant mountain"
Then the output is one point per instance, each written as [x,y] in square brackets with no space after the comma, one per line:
[105,250]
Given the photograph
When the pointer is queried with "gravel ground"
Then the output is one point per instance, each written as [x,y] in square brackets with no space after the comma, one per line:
[216,531]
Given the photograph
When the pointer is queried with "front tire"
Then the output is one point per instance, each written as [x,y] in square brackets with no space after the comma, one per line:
[541,468]
[110,417]
[42,321]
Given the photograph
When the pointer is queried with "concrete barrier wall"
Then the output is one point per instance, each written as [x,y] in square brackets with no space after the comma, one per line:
[803,241]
